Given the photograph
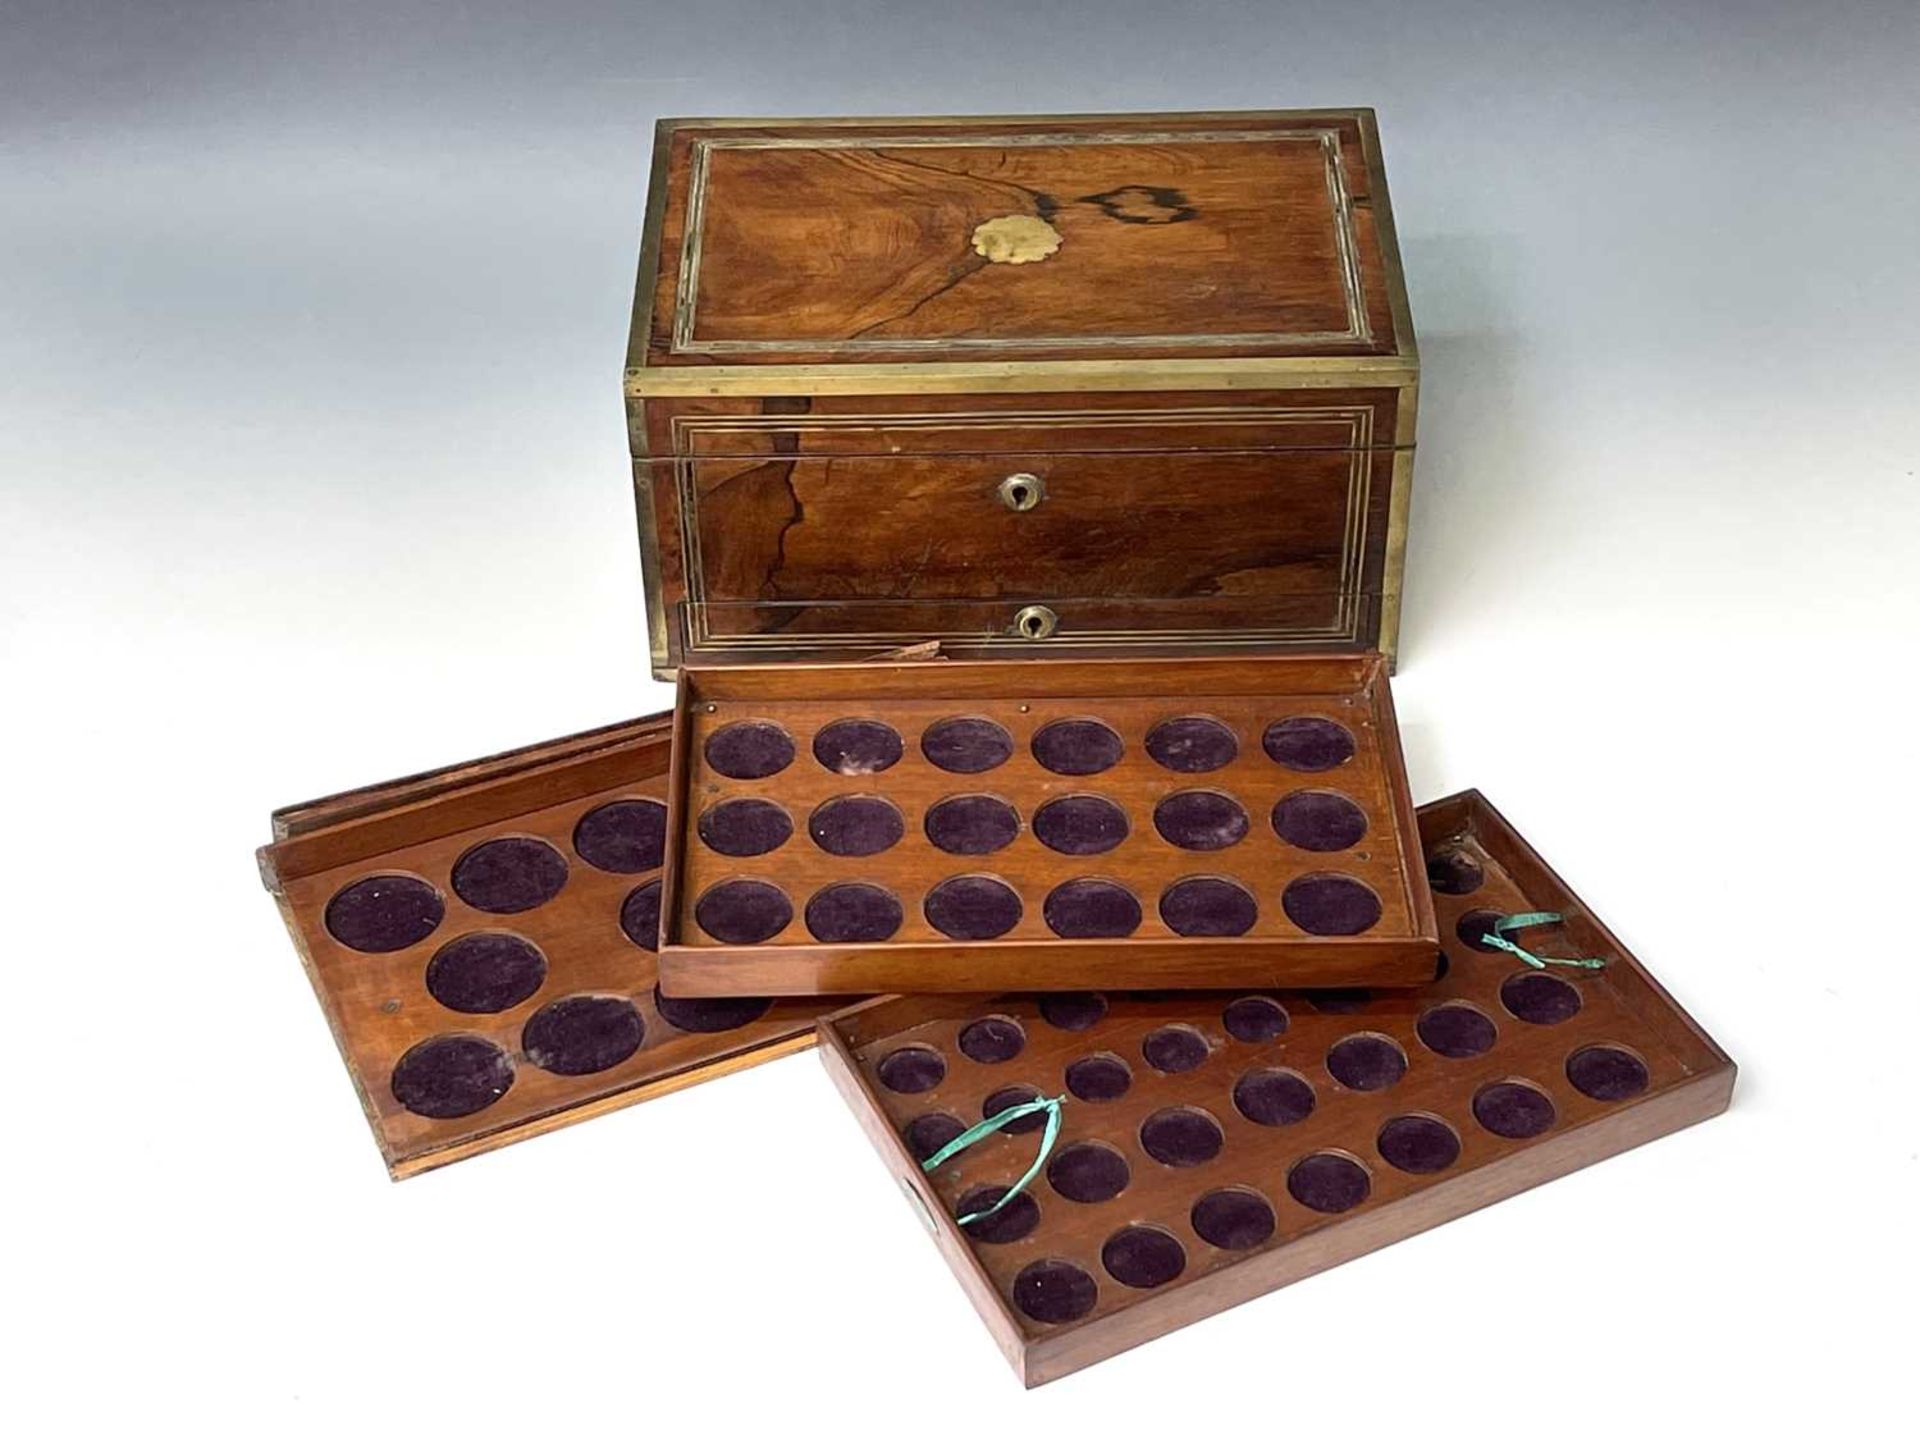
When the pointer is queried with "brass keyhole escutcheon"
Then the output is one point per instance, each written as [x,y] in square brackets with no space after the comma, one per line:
[1035,622]
[1022,491]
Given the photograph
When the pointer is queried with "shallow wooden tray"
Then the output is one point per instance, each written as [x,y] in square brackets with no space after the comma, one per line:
[783,719]
[382,1005]
[1285,1198]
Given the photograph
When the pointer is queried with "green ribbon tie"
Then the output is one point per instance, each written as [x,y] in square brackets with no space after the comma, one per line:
[992,1125]
[1497,937]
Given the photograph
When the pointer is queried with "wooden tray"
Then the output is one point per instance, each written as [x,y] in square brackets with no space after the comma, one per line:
[954,826]
[1577,1065]
[551,1014]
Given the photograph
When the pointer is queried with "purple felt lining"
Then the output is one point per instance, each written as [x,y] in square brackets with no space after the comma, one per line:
[1513,1111]
[1254,1018]
[1456,1030]
[1143,1256]
[1366,1062]
[711,1016]
[857,747]
[485,973]
[856,825]
[1099,1077]
[1307,743]
[912,1069]
[1206,905]
[1330,905]
[853,913]
[745,827]
[1606,1072]
[384,913]
[1452,871]
[992,1040]
[749,750]
[1473,927]
[1017,1220]
[1232,1219]
[1173,1049]
[1077,747]
[582,1034]
[1328,1183]
[1054,1292]
[1539,999]
[1319,820]
[623,836]
[1181,1136]
[966,745]
[1080,825]
[1192,745]
[927,1135]
[1418,1144]
[509,875]
[971,824]
[972,907]
[1089,1172]
[451,1075]
[1005,1098]
[1273,1097]
[1090,909]
[1200,820]
[743,912]
[640,915]
[1073,1009]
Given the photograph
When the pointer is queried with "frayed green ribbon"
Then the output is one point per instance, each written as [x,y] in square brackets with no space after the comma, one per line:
[992,1125]
[1497,937]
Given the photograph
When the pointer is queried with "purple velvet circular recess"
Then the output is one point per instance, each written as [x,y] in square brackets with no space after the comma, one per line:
[1308,743]
[711,1016]
[1606,1072]
[582,1034]
[1273,1097]
[1089,1172]
[927,1135]
[972,907]
[1474,927]
[1192,745]
[1206,905]
[1073,1009]
[384,913]
[911,1070]
[749,750]
[485,973]
[1328,1183]
[1091,909]
[1016,1221]
[1456,1030]
[1143,1256]
[1181,1136]
[1330,905]
[1099,1077]
[1173,1049]
[857,747]
[623,836]
[1453,871]
[1513,1111]
[508,875]
[1442,966]
[1254,1018]
[856,825]
[1366,1062]
[992,1040]
[640,915]
[745,827]
[1006,1098]
[1200,820]
[1080,825]
[743,912]
[971,824]
[1539,999]
[451,1075]
[853,913]
[966,745]
[1318,820]
[1077,747]
[1234,1219]
[1418,1144]
[1054,1292]
[1341,1000]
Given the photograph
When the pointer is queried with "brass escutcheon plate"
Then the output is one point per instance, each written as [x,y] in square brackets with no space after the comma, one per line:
[1015,239]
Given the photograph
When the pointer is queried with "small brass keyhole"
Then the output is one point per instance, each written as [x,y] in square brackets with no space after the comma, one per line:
[1022,491]
[1035,622]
